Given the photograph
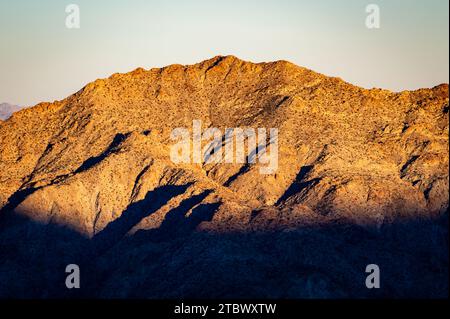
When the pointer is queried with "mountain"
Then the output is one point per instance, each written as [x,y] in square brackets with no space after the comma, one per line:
[362,171]
[6,110]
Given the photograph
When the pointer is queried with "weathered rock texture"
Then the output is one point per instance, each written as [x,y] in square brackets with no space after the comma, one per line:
[344,152]
[347,155]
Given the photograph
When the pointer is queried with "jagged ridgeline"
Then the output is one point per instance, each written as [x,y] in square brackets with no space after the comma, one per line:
[367,156]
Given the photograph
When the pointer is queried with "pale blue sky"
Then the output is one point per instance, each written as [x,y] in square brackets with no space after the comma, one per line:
[42,60]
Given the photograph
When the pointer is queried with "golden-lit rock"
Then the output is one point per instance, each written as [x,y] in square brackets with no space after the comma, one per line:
[365,156]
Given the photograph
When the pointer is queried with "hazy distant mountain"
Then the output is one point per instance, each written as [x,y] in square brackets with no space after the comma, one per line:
[362,178]
[6,110]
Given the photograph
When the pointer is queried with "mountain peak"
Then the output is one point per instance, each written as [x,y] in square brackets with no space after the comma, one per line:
[6,110]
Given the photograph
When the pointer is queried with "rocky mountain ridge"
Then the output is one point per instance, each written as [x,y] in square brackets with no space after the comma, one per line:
[362,177]
[344,152]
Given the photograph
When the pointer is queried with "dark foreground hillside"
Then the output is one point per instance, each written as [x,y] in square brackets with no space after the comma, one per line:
[309,262]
